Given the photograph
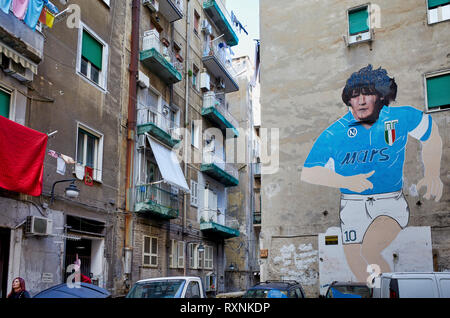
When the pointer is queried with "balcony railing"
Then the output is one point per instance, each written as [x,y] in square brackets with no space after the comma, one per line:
[217,223]
[217,60]
[157,201]
[214,109]
[171,9]
[210,157]
[159,59]
[149,115]
[216,10]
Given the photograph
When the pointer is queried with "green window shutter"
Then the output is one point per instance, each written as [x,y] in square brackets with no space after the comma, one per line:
[358,21]
[92,50]
[438,91]
[5,100]
[436,3]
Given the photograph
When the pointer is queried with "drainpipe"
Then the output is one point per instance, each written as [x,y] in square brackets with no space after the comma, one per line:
[186,109]
[131,124]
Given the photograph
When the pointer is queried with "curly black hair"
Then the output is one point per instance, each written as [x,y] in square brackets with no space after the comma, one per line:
[370,80]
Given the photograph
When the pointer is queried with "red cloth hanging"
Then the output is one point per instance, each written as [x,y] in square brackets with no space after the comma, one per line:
[22,152]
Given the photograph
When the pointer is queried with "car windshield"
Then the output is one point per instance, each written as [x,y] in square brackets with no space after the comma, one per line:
[337,291]
[157,289]
[266,293]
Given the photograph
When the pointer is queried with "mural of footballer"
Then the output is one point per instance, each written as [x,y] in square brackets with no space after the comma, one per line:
[363,154]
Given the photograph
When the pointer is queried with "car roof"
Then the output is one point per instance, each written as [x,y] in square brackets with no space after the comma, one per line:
[275,285]
[335,283]
[64,291]
[167,278]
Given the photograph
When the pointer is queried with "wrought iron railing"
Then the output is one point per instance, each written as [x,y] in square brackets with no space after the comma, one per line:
[217,100]
[156,194]
[214,215]
[148,114]
[212,157]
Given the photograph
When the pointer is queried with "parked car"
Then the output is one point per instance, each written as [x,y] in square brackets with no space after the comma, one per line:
[413,285]
[276,289]
[348,290]
[168,287]
[65,291]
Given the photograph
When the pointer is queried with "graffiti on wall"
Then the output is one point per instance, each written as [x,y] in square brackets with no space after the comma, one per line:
[363,154]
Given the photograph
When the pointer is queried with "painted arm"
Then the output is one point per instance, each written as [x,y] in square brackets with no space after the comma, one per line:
[431,156]
[326,177]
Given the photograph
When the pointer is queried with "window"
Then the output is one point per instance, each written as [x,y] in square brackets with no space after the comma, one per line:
[193,257]
[194,193]
[92,57]
[208,262]
[5,103]
[174,256]
[193,290]
[196,22]
[180,253]
[90,150]
[437,91]
[195,81]
[195,135]
[359,24]
[150,253]
[438,11]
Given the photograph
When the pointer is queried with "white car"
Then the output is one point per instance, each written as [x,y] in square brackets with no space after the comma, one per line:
[168,287]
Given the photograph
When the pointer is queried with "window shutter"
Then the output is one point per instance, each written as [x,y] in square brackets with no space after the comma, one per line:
[5,100]
[436,3]
[358,21]
[180,251]
[92,50]
[438,91]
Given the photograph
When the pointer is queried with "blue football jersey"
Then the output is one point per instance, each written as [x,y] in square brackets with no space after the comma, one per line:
[348,148]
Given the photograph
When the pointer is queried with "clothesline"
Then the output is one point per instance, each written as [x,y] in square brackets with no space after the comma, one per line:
[31,11]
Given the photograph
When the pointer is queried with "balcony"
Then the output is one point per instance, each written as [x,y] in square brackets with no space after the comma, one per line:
[216,60]
[156,124]
[214,223]
[155,201]
[215,167]
[214,110]
[219,15]
[159,59]
[172,10]
[19,42]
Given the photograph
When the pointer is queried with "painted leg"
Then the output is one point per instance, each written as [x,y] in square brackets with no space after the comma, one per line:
[355,261]
[379,235]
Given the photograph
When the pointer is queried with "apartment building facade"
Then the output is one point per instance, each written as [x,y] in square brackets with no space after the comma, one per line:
[176,220]
[305,66]
[62,79]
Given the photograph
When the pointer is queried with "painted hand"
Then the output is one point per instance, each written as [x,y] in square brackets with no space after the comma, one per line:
[434,187]
[359,183]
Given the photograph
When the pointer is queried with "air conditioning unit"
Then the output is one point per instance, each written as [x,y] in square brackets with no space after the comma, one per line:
[153,5]
[205,81]
[206,27]
[16,70]
[36,225]
[141,141]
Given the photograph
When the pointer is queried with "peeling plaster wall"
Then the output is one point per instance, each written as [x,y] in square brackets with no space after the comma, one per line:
[304,66]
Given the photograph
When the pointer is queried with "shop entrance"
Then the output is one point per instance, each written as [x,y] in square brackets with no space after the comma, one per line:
[4,260]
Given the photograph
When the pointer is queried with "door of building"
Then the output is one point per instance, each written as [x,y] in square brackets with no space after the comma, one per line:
[4,260]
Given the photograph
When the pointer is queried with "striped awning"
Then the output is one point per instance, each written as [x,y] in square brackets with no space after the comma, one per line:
[18,58]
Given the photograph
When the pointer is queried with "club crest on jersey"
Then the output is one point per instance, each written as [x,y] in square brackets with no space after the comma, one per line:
[389,131]
[352,132]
